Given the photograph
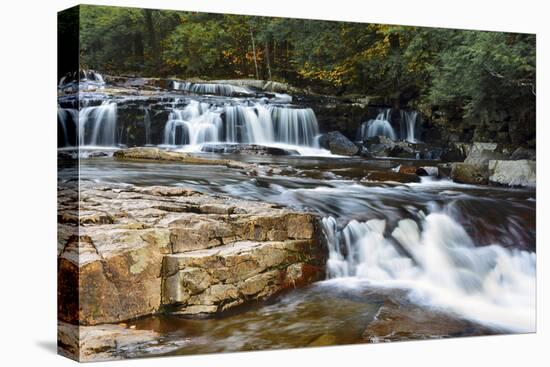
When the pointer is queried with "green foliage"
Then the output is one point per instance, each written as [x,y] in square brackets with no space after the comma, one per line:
[485,71]
[475,74]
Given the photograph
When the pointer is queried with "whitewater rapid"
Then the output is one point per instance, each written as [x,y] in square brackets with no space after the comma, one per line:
[437,261]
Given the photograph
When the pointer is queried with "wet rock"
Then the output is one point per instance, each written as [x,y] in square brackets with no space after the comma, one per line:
[411,170]
[338,144]
[455,152]
[513,173]
[251,149]
[444,170]
[524,153]
[394,322]
[156,154]
[110,342]
[482,153]
[468,173]
[233,274]
[379,146]
[403,149]
[138,249]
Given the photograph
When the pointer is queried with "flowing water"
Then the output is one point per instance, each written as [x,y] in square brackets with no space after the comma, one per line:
[414,260]
[383,125]
[463,249]
[194,121]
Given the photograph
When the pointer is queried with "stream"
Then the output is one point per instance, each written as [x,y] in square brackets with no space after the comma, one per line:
[413,260]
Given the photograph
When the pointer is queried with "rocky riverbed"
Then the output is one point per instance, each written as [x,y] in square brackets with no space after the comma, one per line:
[210,217]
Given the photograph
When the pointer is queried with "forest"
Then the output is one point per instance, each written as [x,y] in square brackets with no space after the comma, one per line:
[469,74]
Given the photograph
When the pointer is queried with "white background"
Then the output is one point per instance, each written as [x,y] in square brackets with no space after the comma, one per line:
[28,180]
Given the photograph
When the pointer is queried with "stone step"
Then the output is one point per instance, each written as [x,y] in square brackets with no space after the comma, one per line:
[214,280]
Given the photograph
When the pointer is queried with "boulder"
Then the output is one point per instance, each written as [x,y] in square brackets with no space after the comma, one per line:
[144,250]
[513,173]
[379,146]
[338,144]
[455,152]
[403,149]
[482,153]
[524,153]
[469,173]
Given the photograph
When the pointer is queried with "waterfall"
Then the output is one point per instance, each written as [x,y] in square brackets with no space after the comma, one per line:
[380,126]
[81,80]
[295,126]
[97,125]
[197,123]
[67,119]
[147,125]
[211,88]
[253,122]
[439,263]
[408,125]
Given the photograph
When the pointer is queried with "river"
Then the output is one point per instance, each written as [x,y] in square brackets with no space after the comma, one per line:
[407,260]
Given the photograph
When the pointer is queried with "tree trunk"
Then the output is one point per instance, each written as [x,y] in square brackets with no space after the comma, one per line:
[267,62]
[152,36]
[254,52]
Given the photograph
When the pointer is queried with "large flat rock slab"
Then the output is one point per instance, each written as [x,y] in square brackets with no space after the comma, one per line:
[133,251]
[216,279]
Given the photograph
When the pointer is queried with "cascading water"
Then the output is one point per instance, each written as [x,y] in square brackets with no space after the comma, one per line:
[439,263]
[408,125]
[196,123]
[147,125]
[97,125]
[211,88]
[253,122]
[295,126]
[380,126]
[81,80]
[67,119]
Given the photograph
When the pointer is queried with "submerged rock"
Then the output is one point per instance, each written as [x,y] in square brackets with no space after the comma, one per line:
[395,322]
[143,250]
[513,173]
[338,144]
